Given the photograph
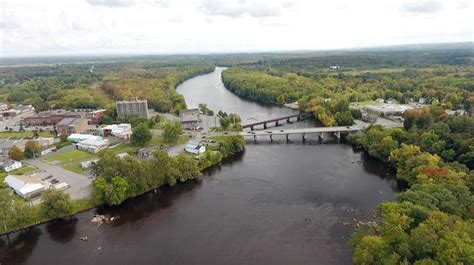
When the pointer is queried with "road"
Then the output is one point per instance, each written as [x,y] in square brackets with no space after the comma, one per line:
[80,185]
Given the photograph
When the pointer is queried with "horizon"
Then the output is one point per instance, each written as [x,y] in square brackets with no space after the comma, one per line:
[161,27]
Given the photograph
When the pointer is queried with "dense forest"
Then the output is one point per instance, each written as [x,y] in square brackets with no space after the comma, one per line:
[319,90]
[98,85]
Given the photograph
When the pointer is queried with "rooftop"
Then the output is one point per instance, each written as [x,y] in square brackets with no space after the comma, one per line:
[69,121]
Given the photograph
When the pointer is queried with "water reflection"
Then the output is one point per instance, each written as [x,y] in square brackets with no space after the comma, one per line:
[62,231]
[19,246]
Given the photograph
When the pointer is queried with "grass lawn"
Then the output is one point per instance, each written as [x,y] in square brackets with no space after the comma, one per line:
[70,156]
[24,134]
[24,170]
[365,103]
[74,167]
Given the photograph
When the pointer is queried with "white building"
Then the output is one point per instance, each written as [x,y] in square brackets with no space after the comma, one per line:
[93,144]
[26,186]
[87,164]
[76,137]
[195,147]
[10,165]
[123,130]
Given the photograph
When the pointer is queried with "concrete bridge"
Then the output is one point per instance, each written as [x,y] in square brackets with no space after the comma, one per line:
[288,118]
[303,132]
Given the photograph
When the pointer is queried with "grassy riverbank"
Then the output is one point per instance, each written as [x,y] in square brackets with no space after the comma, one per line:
[113,188]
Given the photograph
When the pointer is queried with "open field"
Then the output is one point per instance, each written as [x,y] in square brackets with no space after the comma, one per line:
[24,134]
[24,170]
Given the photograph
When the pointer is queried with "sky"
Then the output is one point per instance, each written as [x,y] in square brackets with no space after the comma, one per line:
[93,27]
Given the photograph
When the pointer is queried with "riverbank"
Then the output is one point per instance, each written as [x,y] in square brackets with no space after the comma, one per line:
[215,154]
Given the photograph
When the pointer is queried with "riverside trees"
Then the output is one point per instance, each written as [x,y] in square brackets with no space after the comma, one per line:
[432,222]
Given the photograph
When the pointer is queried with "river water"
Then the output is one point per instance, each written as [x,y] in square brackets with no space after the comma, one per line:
[276,203]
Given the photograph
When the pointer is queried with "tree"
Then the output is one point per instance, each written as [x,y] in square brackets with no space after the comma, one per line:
[141,135]
[32,149]
[171,131]
[15,153]
[63,138]
[55,204]
[344,118]
[113,193]
[14,213]
[224,121]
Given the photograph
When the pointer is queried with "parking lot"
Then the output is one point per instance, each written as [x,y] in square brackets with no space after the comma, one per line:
[80,186]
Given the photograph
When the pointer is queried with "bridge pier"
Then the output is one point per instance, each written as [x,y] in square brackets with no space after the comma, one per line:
[271,138]
[287,137]
[303,137]
[321,136]
[254,138]
[298,118]
[251,128]
[338,135]
[288,120]
[265,125]
[277,123]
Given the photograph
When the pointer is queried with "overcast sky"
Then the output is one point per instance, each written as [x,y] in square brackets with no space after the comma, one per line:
[57,27]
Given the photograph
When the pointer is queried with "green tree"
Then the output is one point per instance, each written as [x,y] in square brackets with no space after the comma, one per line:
[113,193]
[171,131]
[141,135]
[55,204]
[225,122]
[63,138]
[14,213]
[15,153]
[32,149]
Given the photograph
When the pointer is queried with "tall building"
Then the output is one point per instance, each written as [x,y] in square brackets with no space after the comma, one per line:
[133,107]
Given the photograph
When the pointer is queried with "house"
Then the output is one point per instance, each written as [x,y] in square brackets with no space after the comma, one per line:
[92,144]
[123,130]
[71,125]
[422,100]
[26,186]
[10,165]
[3,106]
[391,101]
[380,100]
[459,112]
[369,118]
[195,147]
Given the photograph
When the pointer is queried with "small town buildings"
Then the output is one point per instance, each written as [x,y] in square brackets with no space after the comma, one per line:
[132,107]
[93,144]
[369,118]
[459,112]
[87,164]
[3,106]
[387,109]
[9,165]
[47,118]
[195,147]
[26,186]
[71,125]
[122,131]
[380,100]
[75,137]
[94,116]
[7,144]
[190,118]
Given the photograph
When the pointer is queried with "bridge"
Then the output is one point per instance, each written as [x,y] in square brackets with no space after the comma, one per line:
[320,131]
[288,118]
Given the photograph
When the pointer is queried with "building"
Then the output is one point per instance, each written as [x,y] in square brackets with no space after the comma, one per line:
[71,125]
[10,165]
[76,138]
[7,144]
[93,144]
[123,130]
[94,116]
[195,147]
[46,118]
[387,109]
[133,107]
[369,118]
[459,112]
[26,186]
[10,113]
[190,118]
[87,164]
[3,106]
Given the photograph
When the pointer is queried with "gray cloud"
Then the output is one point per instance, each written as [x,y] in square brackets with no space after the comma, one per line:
[421,7]
[243,7]
[125,3]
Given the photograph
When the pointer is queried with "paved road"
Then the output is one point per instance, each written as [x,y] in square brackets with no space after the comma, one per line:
[80,185]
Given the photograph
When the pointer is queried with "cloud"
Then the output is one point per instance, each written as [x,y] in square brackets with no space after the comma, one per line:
[421,7]
[125,3]
[237,9]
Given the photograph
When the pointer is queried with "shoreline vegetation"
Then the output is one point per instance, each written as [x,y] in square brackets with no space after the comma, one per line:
[119,179]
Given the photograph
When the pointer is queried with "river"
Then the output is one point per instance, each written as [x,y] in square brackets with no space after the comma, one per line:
[276,203]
